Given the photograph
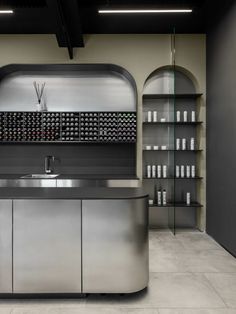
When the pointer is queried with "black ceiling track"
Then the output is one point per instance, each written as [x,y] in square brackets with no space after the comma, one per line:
[68,30]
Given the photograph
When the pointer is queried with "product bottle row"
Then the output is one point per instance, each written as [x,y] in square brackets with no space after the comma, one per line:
[181,144]
[181,116]
[160,198]
[162,171]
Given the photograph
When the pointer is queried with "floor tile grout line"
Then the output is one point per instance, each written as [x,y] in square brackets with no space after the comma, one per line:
[215,289]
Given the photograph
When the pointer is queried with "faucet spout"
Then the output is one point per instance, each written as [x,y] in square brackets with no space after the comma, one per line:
[49,164]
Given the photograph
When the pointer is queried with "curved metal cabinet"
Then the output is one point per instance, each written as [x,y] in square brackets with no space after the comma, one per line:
[115,245]
[5,246]
[47,246]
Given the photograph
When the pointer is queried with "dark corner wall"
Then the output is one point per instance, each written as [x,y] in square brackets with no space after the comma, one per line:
[221,124]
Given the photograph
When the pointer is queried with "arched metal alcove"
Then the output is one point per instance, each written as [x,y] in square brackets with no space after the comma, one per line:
[70,87]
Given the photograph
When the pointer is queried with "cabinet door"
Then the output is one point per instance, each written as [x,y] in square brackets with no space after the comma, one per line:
[115,245]
[47,246]
[5,246]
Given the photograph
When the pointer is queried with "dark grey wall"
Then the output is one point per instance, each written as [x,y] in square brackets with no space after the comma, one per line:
[74,158]
[221,124]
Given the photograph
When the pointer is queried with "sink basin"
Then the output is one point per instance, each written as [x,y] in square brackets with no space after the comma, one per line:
[40,176]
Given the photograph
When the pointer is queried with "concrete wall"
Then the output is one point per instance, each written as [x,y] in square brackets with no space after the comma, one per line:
[221,115]
[139,54]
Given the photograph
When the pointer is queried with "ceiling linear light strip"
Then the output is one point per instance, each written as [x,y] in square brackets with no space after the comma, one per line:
[145,11]
[6,11]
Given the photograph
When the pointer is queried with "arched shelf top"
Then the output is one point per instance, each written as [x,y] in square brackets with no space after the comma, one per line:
[171,81]
[70,87]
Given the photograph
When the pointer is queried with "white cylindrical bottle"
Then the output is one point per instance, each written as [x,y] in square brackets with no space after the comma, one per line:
[193,172]
[154,171]
[178,144]
[159,171]
[192,143]
[149,116]
[188,171]
[164,171]
[149,171]
[182,171]
[188,198]
[164,197]
[150,202]
[177,171]
[184,143]
[185,116]
[193,116]
[159,198]
[154,116]
[177,116]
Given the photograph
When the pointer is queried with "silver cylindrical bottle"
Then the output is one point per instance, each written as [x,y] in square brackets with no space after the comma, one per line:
[193,116]
[159,171]
[182,172]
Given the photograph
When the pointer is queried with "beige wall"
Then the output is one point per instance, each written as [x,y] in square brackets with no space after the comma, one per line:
[139,54]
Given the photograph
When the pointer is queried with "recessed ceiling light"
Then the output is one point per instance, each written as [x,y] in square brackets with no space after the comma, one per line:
[6,11]
[144,11]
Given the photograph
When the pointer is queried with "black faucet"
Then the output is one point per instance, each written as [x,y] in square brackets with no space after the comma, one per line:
[49,164]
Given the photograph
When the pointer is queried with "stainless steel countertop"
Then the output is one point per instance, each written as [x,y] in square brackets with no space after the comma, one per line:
[73,193]
[75,176]
[69,181]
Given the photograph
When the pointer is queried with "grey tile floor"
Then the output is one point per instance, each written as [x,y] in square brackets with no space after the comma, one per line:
[189,274]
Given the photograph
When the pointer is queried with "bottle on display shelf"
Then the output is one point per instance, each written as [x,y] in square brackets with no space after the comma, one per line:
[164,171]
[188,198]
[188,171]
[184,144]
[164,202]
[192,143]
[159,197]
[177,173]
[178,144]
[149,119]
[177,116]
[153,171]
[154,116]
[185,116]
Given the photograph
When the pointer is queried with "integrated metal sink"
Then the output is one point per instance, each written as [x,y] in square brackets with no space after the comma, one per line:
[40,176]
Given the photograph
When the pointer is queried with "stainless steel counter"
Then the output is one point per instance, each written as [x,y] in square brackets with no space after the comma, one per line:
[73,240]
[69,181]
